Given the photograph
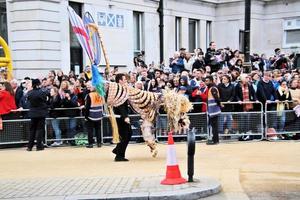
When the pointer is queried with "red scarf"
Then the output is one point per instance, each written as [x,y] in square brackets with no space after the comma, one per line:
[247,106]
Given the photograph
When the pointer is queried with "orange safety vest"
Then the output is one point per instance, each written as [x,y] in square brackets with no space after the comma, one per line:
[96,110]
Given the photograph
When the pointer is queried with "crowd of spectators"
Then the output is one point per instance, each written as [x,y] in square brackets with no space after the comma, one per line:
[264,80]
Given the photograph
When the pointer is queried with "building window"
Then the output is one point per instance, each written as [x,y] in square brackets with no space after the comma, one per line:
[291,36]
[193,34]
[177,33]
[3,25]
[137,32]
[76,54]
[208,33]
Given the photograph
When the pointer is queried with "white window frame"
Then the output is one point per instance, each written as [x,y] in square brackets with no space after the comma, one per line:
[178,29]
[208,33]
[141,31]
[289,25]
[197,32]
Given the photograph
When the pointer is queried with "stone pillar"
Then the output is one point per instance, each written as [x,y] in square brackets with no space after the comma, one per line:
[36,29]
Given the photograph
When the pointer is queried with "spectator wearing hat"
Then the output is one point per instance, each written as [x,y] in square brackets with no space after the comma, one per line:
[184,81]
[38,110]
[183,91]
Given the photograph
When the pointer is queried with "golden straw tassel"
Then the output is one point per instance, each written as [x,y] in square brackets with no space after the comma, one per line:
[113,121]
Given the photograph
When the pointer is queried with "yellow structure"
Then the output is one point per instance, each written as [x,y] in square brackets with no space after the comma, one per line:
[6,61]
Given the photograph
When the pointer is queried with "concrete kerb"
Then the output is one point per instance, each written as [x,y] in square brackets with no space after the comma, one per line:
[202,187]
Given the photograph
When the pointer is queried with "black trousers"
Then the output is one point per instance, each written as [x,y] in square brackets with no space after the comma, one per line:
[37,131]
[214,126]
[91,126]
[125,133]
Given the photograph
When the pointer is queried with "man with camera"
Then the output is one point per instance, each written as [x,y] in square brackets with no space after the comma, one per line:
[211,57]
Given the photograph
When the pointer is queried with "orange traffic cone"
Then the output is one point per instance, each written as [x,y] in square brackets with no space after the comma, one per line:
[173,175]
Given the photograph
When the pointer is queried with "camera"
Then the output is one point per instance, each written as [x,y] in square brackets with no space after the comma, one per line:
[67,91]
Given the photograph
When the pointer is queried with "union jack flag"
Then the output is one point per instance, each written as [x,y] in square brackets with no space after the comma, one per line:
[81,33]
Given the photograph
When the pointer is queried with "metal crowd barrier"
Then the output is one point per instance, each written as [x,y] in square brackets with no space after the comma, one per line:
[242,125]
[232,125]
[198,119]
[279,120]
[16,131]
[135,126]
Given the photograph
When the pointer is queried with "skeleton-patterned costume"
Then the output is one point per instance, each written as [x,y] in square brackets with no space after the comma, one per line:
[147,104]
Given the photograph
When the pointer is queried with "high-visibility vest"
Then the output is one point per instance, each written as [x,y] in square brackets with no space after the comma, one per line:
[213,108]
[96,110]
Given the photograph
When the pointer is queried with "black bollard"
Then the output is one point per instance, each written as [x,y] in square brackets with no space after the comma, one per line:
[191,152]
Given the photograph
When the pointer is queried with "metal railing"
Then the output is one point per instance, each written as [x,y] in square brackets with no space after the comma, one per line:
[233,125]
[280,118]
[242,125]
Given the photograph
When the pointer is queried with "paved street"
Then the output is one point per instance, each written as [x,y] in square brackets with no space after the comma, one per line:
[251,170]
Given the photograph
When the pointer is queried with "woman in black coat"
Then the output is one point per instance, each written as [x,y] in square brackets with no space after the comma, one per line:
[227,94]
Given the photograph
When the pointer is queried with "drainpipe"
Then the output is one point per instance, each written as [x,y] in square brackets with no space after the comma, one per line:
[160,10]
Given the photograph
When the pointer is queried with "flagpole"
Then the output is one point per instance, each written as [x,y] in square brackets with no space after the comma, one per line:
[109,108]
[107,68]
